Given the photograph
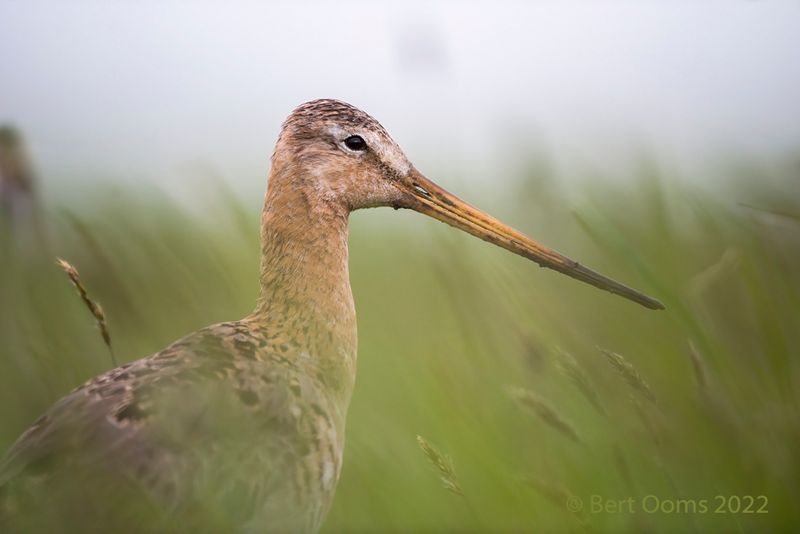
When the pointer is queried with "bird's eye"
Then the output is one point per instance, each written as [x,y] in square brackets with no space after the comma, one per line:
[355,142]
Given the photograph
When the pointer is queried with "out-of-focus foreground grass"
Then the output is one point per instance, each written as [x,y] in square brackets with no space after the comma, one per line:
[686,421]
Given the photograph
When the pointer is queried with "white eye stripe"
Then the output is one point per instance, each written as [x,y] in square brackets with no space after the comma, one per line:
[380,145]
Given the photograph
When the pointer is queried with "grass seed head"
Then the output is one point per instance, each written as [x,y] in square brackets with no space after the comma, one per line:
[544,411]
[443,465]
[630,374]
[570,367]
[94,308]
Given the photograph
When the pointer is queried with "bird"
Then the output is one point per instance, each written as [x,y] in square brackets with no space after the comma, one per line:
[16,181]
[19,199]
[240,426]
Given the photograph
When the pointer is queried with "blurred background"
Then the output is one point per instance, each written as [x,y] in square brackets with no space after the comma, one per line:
[657,142]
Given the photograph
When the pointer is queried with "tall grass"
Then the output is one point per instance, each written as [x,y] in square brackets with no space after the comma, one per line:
[447,323]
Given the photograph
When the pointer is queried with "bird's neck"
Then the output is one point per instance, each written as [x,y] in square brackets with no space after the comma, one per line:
[305,285]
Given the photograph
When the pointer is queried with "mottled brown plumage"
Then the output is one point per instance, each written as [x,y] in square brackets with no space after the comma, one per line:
[241,425]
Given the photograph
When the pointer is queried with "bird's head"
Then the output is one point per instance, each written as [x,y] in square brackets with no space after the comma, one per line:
[341,155]
[337,151]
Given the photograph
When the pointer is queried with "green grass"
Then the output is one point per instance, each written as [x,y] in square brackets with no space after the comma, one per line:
[448,325]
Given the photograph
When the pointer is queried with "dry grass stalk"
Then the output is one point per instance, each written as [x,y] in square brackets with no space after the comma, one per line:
[570,367]
[650,421]
[623,469]
[699,368]
[94,308]
[629,374]
[555,494]
[716,404]
[558,495]
[545,411]
[443,465]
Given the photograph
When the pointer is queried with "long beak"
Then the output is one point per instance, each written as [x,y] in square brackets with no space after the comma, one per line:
[424,196]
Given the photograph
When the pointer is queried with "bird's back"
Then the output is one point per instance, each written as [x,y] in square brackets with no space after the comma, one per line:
[227,427]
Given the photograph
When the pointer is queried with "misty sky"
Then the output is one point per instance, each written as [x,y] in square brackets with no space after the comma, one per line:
[147,90]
